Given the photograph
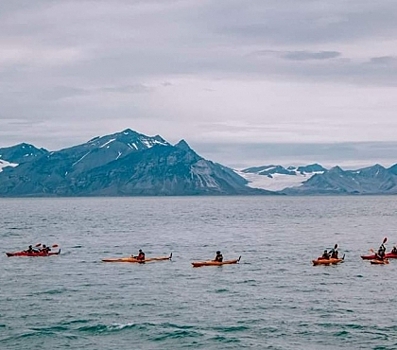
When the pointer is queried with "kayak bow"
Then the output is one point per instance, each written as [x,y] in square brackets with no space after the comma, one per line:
[215,263]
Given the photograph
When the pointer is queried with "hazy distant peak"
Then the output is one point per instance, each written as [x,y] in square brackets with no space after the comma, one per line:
[311,168]
[336,169]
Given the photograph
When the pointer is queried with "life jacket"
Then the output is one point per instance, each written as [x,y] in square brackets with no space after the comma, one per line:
[141,256]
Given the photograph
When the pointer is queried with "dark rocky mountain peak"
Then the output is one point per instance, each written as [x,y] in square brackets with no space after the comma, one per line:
[182,144]
[21,153]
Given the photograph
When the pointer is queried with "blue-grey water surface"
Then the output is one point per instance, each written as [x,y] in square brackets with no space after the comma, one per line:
[273,299]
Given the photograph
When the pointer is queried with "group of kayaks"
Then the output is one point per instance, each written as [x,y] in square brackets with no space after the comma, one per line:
[162,258]
[130,259]
[374,258]
[326,259]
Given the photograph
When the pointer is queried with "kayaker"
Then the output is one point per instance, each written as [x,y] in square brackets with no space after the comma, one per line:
[218,256]
[380,255]
[45,249]
[334,252]
[394,250]
[30,250]
[141,255]
[325,255]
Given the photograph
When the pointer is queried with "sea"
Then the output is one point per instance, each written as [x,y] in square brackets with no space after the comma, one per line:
[273,299]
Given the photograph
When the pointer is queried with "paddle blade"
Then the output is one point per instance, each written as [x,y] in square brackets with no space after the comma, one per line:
[384,240]
[55,246]
[38,245]
[335,246]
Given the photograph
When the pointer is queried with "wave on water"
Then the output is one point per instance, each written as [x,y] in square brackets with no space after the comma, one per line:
[102,328]
[52,291]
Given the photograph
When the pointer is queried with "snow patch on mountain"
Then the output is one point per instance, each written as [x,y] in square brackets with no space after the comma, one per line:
[150,142]
[106,143]
[4,163]
[276,182]
[277,178]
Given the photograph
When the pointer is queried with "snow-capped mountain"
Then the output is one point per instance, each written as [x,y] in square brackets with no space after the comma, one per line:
[375,179]
[128,163]
[121,164]
[277,177]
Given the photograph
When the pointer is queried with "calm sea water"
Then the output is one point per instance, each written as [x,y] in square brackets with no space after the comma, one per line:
[273,299]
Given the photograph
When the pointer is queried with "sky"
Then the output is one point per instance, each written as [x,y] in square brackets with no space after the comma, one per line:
[245,83]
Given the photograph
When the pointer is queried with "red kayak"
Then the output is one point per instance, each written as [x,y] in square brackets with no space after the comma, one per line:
[25,253]
[373,256]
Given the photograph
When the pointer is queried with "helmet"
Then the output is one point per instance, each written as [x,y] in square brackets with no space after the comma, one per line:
[218,252]
[140,250]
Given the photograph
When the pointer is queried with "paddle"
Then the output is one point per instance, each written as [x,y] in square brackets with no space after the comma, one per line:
[39,244]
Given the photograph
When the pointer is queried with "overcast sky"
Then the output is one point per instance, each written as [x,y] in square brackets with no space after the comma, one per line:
[243,82]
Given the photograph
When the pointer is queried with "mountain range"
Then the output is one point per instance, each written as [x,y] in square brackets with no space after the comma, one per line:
[121,164]
[128,163]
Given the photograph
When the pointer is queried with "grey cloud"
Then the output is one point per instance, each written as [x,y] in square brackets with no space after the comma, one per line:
[297,55]
[286,22]
[306,55]
[132,89]
[384,60]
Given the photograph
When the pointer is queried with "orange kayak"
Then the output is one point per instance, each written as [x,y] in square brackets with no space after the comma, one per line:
[379,262]
[135,260]
[321,261]
[215,263]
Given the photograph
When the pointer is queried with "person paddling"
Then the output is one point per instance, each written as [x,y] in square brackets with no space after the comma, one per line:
[325,255]
[394,250]
[45,249]
[218,256]
[334,252]
[141,255]
[380,255]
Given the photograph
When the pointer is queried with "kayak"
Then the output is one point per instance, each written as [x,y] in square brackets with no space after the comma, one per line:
[215,263]
[373,256]
[25,253]
[379,262]
[135,260]
[322,261]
